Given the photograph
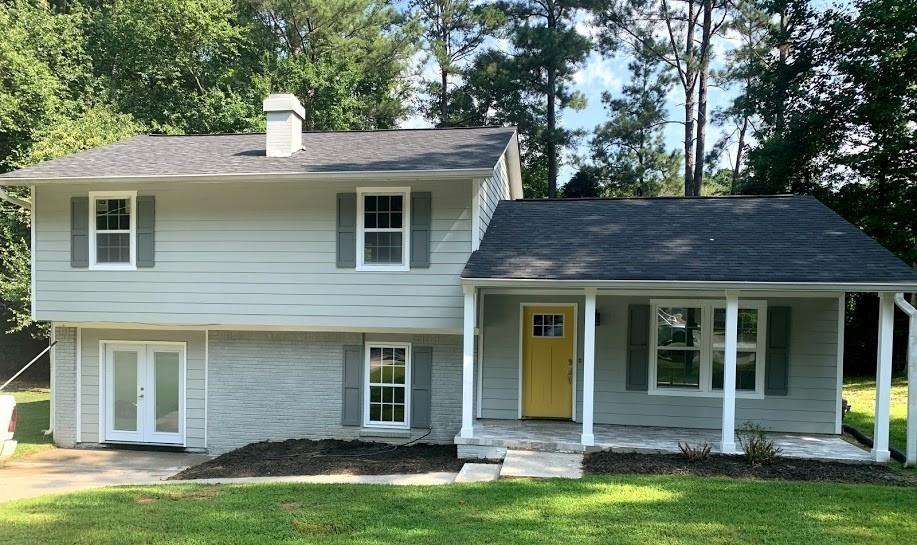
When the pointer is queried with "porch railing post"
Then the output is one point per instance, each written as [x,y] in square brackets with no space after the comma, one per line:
[588,438]
[728,442]
[880,451]
[468,363]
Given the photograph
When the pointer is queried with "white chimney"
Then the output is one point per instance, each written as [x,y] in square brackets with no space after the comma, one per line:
[284,116]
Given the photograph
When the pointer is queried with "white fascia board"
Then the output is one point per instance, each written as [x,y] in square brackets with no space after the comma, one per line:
[376,175]
[258,327]
[892,287]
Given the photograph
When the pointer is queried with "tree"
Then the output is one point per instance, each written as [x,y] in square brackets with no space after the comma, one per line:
[585,183]
[547,49]
[453,32]
[346,60]
[688,28]
[628,150]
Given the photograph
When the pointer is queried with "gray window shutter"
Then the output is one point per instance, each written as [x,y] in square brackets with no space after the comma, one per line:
[146,227]
[421,221]
[347,230]
[421,378]
[777,357]
[638,347]
[352,413]
[79,231]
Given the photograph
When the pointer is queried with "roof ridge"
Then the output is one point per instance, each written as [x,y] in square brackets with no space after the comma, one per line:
[663,198]
[359,131]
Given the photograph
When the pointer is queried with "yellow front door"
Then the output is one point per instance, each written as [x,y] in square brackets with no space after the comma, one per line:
[547,361]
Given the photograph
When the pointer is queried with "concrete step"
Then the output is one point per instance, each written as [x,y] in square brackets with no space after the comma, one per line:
[477,473]
[543,465]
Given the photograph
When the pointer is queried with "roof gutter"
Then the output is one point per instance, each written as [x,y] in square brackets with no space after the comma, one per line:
[16,201]
[357,175]
[664,285]
[911,442]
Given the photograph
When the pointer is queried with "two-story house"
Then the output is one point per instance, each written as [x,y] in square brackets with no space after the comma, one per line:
[209,291]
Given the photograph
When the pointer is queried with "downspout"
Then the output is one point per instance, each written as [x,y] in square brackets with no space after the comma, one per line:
[911,451]
[22,203]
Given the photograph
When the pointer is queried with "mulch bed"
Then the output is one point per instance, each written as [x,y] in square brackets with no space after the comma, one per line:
[326,457]
[606,462]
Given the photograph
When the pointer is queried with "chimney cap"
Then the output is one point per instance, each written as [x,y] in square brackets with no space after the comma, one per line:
[284,103]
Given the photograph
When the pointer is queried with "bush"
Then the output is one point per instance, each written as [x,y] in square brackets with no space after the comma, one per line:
[694,453]
[759,450]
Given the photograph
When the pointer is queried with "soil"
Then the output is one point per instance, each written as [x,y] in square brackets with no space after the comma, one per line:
[606,462]
[326,457]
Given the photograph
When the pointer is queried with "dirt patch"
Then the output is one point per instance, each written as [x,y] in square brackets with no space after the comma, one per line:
[326,457]
[289,505]
[605,462]
[199,493]
[145,500]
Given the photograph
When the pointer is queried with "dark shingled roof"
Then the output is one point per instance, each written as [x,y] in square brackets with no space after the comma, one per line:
[728,239]
[345,151]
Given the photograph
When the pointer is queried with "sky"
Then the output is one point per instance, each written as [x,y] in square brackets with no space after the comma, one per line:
[599,74]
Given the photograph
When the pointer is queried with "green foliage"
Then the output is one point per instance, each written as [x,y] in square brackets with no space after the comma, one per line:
[628,150]
[758,449]
[585,183]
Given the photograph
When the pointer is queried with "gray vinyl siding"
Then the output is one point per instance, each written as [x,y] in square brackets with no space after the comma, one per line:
[253,254]
[810,406]
[282,385]
[195,397]
[493,189]
[64,396]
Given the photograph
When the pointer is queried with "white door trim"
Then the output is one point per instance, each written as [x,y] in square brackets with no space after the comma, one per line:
[145,349]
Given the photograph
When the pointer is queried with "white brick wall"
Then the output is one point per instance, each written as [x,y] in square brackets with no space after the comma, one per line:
[282,385]
[65,387]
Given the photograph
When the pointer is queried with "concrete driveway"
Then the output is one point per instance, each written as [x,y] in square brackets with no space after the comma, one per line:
[66,470]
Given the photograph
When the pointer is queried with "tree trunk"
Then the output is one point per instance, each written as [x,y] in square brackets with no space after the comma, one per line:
[444,99]
[689,83]
[700,143]
[551,145]
[737,168]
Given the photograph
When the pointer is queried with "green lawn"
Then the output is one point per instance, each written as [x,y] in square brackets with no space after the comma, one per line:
[32,406]
[622,510]
[861,394]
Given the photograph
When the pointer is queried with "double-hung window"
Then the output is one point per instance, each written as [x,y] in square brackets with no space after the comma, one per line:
[689,348]
[387,395]
[113,229]
[383,229]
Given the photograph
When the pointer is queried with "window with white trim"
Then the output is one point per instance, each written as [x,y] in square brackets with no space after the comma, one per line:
[387,385]
[383,217]
[689,342]
[113,229]
[547,325]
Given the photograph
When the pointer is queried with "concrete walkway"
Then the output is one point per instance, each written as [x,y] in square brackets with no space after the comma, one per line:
[542,465]
[65,470]
[433,478]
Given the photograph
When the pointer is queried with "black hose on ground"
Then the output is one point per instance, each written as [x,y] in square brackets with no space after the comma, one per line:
[867,441]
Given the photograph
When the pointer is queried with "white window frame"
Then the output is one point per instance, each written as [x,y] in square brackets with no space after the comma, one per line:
[405,193]
[707,307]
[93,242]
[367,423]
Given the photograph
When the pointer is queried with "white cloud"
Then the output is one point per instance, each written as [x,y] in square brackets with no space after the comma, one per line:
[598,74]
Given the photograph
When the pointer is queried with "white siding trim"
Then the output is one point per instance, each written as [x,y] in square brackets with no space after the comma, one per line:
[841,315]
[79,384]
[476,214]
[53,382]
[33,261]
[206,377]
[480,335]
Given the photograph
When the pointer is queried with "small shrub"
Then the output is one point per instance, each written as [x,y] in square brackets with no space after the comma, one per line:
[694,453]
[759,450]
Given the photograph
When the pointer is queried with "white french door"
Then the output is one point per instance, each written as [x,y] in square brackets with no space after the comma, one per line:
[144,392]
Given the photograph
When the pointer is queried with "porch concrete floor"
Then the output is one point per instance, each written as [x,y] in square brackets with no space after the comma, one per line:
[565,437]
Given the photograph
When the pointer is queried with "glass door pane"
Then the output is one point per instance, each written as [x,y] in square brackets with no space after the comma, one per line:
[124,390]
[166,378]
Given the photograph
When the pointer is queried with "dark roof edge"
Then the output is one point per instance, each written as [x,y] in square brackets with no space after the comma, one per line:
[668,198]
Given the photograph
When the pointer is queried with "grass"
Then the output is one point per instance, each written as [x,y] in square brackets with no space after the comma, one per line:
[861,394]
[32,407]
[600,510]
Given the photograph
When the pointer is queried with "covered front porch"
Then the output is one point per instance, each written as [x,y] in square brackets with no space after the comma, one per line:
[495,436]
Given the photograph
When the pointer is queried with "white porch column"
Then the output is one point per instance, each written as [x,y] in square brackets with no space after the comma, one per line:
[728,441]
[883,377]
[468,363]
[911,442]
[588,438]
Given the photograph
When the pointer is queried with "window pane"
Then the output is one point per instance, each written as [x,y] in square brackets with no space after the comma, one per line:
[746,374]
[166,371]
[124,386]
[678,369]
[678,326]
[113,247]
[382,248]
[747,330]
[112,214]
